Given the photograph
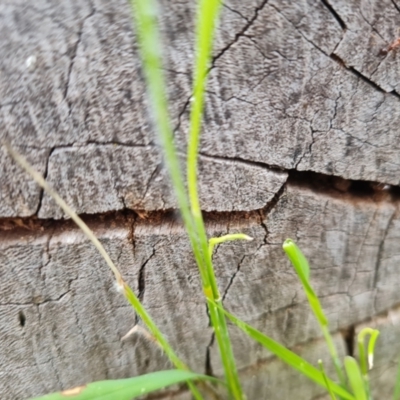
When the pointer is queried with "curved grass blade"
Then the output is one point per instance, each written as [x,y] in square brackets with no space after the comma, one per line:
[355,378]
[363,355]
[373,335]
[126,389]
[226,238]
[302,269]
[290,358]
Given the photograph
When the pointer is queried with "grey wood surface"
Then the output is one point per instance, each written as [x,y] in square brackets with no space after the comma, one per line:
[300,140]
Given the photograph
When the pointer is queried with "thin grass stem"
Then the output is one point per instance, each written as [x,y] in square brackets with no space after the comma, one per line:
[326,380]
[122,285]
[145,17]
[208,12]
[333,353]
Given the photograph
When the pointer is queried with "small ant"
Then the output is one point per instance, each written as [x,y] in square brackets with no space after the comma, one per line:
[391,47]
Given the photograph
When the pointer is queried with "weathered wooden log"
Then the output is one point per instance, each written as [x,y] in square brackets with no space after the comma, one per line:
[300,140]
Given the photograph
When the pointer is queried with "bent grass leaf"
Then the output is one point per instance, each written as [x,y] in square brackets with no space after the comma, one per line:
[303,271]
[290,358]
[226,238]
[302,268]
[373,335]
[126,389]
[355,378]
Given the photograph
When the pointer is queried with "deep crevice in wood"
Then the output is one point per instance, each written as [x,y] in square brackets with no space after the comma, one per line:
[350,189]
[362,77]
[208,367]
[334,13]
[46,171]
[395,5]
[349,339]
[329,185]
[142,276]
[22,318]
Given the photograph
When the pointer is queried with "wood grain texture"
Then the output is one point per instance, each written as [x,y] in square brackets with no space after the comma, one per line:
[371,28]
[299,98]
[74,85]
[325,118]
[97,179]
[72,309]
[342,238]
[387,353]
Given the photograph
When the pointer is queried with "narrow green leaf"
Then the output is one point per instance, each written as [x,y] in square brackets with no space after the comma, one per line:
[298,259]
[321,367]
[373,335]
[226,238]
[289,357]
[302,268]
[371,347]
[355,378]
[207,18]
[126,389]
[127,291]
[396,392]
[145,14]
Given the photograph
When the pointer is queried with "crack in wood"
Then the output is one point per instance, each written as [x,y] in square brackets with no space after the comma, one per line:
[334,13]
[73,57]
[364,78]
[380,251]
[46,171]
[349,338]
[142,275]
[329,185]
[239,34]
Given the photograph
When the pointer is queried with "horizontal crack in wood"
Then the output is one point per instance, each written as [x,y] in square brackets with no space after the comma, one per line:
[348,190]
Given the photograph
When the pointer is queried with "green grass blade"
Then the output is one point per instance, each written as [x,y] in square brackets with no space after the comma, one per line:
[298,260]
[290,358]
[226,238]
[302,269]
[145,16]
[321,367]
[126,389]
[373,335]
[149,39]
[371,347]
[396,391]
[207,16]
[355,378]
[125,289]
